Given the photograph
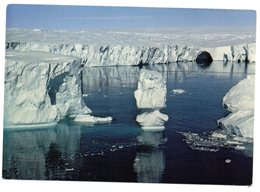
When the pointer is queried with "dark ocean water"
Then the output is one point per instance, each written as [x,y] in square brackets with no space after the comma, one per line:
[121,150]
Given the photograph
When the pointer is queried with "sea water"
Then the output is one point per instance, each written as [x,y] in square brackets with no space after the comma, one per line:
[121,150]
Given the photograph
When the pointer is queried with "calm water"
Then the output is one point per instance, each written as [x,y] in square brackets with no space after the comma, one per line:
[121,151]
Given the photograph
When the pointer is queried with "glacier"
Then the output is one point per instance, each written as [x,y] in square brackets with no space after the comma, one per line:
[107,48]
[240,102]
[110,55]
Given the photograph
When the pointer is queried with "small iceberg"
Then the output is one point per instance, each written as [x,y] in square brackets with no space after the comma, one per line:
[152,119]
[178,91]
[91,119]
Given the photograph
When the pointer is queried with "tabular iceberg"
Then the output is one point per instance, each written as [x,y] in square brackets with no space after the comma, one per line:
[151,95]
[240,102]
[41,88]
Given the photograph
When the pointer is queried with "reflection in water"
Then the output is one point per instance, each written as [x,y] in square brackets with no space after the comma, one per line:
[94,78]
[150,159]
[49,153]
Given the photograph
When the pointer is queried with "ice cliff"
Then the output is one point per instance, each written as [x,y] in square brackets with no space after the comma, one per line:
[107,55]
[240,102]
[151,97]
[41,88]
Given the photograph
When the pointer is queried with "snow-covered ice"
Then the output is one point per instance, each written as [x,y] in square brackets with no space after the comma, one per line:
[106,48]
[41,88]
[240,102]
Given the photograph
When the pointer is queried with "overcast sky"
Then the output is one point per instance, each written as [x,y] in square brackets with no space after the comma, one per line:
[84,17]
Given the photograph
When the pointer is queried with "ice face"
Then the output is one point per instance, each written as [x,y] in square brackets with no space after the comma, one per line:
[151,95]
[41,88]
[107,55]
[240,102]
[151,90]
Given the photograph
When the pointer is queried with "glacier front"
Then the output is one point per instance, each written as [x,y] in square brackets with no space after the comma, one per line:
[106,48]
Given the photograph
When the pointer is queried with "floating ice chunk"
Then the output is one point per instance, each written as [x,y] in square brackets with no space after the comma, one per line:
[227,161]
[218,135]
[152,120]
[151,91]
[238,147]
[91,119]
[178,91]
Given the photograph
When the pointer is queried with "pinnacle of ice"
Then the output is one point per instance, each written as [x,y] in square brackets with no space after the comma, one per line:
[151,96]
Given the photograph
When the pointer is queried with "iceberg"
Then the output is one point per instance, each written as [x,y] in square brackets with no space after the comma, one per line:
[178,91]
[152,119]
[41,88]
[151,95]
[240,102]
[151,90]
[91,119]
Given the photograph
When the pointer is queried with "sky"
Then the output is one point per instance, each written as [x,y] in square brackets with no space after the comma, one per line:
[87,17]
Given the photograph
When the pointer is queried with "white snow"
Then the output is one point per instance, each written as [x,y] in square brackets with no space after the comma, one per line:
[40,90]
[91,119]
[151,90]
[240,102]
[178,91]
[195,37]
